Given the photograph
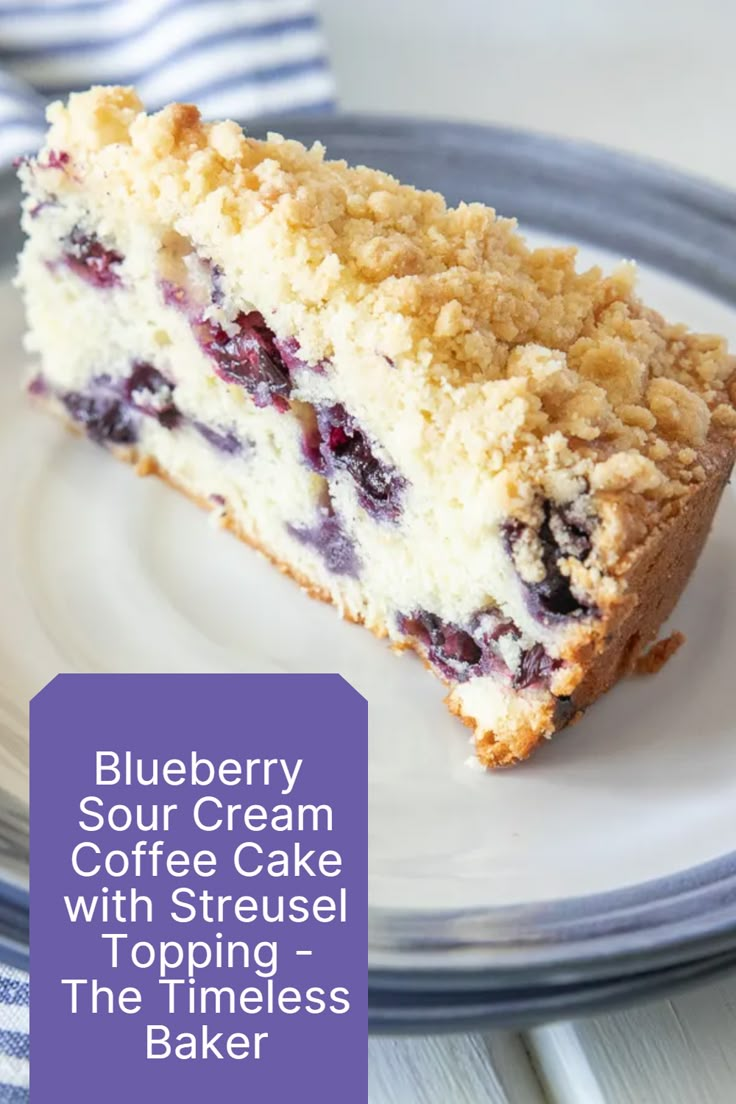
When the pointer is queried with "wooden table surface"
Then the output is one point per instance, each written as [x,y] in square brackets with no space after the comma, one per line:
[657,79]
[680,1051]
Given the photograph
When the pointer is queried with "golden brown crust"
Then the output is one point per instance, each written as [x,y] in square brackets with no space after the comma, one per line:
[653,660]
[655,582]
[494,752]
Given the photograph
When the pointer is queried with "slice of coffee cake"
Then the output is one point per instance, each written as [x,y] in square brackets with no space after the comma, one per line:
[483,454]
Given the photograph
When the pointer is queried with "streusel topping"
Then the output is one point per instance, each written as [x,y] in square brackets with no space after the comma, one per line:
[511,344]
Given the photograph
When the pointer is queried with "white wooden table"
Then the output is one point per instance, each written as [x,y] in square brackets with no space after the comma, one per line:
[659,79]
[681,1051]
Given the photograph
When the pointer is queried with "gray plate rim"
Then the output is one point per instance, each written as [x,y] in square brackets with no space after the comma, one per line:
[406,1013]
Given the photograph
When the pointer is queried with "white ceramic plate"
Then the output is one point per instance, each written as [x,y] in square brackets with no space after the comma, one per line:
[614,847]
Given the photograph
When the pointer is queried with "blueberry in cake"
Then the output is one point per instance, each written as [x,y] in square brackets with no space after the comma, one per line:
[481,453]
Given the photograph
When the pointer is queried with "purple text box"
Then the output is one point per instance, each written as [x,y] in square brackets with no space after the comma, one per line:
[304,819]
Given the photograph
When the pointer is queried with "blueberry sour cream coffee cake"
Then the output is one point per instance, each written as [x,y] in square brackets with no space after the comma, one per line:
[470,446]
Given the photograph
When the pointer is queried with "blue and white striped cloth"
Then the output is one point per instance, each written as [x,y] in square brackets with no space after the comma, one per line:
[233,58]
[14,1037]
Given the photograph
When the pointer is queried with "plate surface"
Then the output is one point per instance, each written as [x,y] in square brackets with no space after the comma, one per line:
[614,850]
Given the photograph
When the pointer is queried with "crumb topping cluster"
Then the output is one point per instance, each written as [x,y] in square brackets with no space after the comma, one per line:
[540,367]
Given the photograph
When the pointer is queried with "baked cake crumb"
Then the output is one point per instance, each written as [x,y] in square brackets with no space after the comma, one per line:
[479,450]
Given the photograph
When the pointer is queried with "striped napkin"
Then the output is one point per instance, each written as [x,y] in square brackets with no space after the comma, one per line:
[14,1038]
[234,58]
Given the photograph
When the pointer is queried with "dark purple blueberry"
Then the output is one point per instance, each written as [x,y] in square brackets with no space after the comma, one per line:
[311,442]
[451,649]
[289,350]
[345,447]
[334,545]
[87,256]
[461,653]
[564,532]
[224,440]
[535,668]
[218,294]
[249,358]
[150,392]
[105,417]
[553,597]
[570,528]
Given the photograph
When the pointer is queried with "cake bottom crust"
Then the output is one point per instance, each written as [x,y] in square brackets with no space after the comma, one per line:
[628,629]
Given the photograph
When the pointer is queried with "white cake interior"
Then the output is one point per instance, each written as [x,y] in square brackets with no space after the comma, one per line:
[443,553]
